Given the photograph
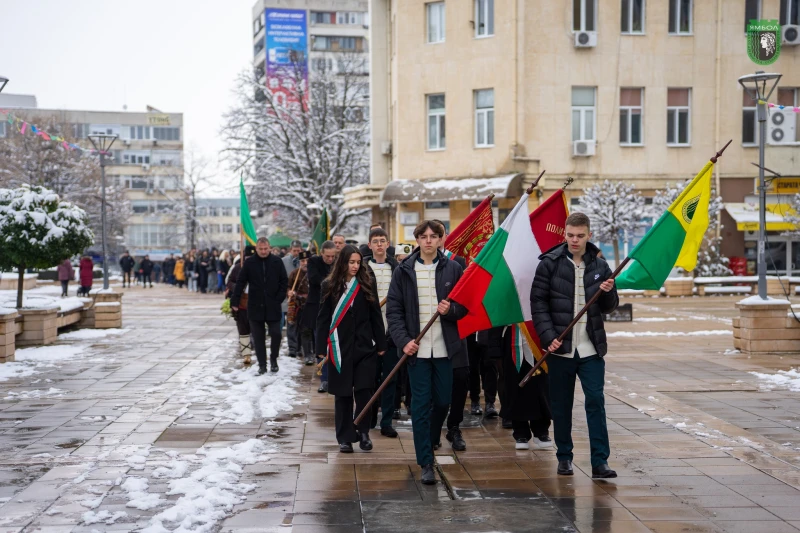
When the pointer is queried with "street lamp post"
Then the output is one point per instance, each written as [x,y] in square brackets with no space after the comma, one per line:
[102,143]
[756,87]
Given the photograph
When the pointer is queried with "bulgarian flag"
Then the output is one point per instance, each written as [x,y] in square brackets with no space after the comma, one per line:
[248,229]
[468,239]
[674,240]
[496,287]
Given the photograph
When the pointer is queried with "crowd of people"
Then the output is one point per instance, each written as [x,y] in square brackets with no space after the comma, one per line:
[353,310]
[202,271]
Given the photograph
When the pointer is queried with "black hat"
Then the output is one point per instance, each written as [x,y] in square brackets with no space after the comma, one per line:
[249,250]
[305,254]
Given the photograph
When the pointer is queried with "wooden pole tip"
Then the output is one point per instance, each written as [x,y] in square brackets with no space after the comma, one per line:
[535,183]
[719,154]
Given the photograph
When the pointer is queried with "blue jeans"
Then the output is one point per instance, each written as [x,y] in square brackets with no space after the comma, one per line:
[561,374]
[432,387]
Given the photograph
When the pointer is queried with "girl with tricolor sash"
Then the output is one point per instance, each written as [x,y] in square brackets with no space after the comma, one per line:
[350,334]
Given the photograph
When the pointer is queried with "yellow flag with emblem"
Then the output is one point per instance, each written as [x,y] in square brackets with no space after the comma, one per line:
[674,240]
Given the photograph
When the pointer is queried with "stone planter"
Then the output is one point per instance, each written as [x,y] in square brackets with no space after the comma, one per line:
[765,326]
[8,333]
[678,286]
[39,327]
[104,313]
[8,281]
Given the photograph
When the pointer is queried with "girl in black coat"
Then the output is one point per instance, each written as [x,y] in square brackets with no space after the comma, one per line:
[350,332]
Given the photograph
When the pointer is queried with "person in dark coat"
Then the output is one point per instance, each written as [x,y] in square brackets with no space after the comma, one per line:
[168,269]
[146,267]
[65,274]
[319,267]
[297,297]
[291,262]
[86,270]
[382,267]
[126,263]
[202,269]
[350,333]
[567,277]
[264,276]
[528,408]
[419,288]
[242,321]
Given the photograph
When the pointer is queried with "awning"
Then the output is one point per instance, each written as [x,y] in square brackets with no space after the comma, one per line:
[450,189]
[746,216]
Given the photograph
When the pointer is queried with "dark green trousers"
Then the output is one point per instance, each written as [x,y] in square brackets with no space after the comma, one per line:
[591,371]
[431,385]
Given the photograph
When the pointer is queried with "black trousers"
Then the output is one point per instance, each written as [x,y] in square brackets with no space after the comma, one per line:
[459,397]
[64,286]
[126,275]
[527,428]
[260,340]
[501,385]
[146,279]
[343,416]
[481,368]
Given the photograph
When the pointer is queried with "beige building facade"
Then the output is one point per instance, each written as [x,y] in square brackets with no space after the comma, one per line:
[636,90]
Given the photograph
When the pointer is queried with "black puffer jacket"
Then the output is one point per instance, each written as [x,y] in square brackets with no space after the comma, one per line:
[402,307]
[553,297]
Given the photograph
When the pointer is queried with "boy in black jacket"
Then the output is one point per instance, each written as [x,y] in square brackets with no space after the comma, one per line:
[567,277]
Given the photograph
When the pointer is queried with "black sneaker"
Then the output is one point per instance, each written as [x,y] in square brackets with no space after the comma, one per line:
[543,441]
[323,387]
[522,444]
[508,424]
[389,431]
[490,411]
[273,367]
[262,370]
[428,476]
[475,409]
[456,440]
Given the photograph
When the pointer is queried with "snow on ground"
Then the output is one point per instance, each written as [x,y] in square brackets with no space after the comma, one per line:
[15,370]
[704,333]
[655,319]
[49,354]
[90,334]
[784,378]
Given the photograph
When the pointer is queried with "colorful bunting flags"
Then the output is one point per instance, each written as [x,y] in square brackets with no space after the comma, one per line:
[22,126]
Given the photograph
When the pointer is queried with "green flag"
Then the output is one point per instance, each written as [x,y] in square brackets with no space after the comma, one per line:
[321,232]
[246,223]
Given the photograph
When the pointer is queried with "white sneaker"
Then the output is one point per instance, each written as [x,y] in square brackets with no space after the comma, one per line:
[543,443]
[522,445]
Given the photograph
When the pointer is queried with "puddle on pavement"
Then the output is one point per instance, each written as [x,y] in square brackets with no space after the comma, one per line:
[71,443]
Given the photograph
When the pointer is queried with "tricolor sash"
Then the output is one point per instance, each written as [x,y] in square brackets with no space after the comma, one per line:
[523,346]
[345,302]
[448,254]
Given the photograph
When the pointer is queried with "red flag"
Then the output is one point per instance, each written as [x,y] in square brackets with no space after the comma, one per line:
[468,238]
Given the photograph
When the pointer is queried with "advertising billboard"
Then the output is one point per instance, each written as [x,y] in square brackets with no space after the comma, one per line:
[286,34]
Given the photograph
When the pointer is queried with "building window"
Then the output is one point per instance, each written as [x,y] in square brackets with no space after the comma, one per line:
[200,212]
[791,97]
[484,18]
[749,120]
[321,64]
[630,116]
[258,23]
[258,46]
[140,133]
[167,157]
[226,211]
[584,15]
[167,134]
[436,130]
[135,158]
[790,12]
[752,11]
[632,16]
[349,17]
[583,113]
[679,117]
[338,44]
[435,22]
[484,117]
[80,131]
[680,17]
[323,17]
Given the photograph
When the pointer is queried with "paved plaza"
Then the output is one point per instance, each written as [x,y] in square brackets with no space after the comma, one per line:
[158,427]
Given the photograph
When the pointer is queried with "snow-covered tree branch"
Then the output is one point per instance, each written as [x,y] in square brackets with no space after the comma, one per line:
[615,210]
[294,154]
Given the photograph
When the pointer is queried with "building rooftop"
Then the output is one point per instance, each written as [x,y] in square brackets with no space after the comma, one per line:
[16,101]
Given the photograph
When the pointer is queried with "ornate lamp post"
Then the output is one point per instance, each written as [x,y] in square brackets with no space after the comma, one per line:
[102,143]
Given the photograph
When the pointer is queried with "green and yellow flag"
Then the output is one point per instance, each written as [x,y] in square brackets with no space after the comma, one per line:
[321,232]
[245,221]
[675,238]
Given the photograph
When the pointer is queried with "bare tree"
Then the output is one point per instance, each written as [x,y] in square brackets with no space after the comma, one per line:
[297,153]
[27,159]
[615,210]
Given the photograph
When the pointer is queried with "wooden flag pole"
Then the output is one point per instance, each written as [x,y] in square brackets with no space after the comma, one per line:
[422,333]
[572,324]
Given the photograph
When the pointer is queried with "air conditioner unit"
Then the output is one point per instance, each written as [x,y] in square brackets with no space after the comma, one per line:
[145,166]
[781,127]
[585,39]
[386,147]
[583,148]
[791,34]
[127,142]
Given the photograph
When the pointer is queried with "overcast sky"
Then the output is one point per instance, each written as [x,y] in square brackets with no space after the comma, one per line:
[175,55]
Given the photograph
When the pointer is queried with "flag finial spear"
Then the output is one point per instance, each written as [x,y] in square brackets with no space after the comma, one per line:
[535,182]
[567,183]
[719,154]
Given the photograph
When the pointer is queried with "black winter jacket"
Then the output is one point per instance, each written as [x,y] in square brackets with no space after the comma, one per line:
[402,311]
[268,283]
[127,263]
[553,297]
[146,266]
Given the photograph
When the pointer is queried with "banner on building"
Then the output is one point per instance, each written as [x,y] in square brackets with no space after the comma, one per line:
[286,34]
